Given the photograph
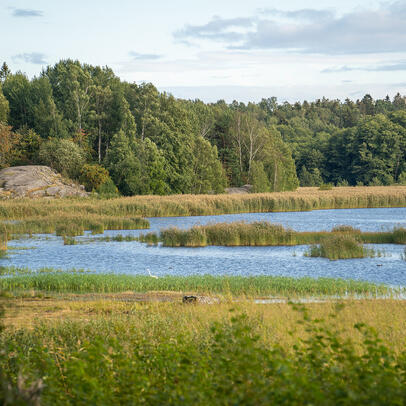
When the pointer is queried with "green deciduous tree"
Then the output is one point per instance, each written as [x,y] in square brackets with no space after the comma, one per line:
[208,174]
[62,155]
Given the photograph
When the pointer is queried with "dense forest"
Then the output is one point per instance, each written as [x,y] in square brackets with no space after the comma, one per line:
[119,137]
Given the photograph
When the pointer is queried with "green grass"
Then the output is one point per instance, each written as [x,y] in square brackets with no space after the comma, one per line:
[85,282]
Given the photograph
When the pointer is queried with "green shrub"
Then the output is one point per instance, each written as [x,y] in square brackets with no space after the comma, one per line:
[108,189]
[92,176]
[62,155]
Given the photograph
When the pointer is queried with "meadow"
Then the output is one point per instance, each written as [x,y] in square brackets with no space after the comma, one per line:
[70,349]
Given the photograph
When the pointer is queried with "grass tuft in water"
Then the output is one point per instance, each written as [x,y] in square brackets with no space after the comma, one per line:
[69,240]
[340,247]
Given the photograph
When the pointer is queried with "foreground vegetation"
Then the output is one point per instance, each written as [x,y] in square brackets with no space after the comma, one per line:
[110,351]
[130,340]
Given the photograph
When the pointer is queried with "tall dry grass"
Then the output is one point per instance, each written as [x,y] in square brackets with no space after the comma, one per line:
[277,322]
[303,199]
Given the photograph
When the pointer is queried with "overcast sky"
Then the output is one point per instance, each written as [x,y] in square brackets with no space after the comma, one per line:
[219,49]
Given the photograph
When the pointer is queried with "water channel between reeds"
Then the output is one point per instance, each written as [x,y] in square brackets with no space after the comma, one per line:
[132,257]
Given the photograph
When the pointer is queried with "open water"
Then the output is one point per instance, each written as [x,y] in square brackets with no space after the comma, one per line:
[135,258]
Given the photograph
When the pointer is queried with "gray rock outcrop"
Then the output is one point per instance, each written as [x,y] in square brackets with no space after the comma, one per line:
[239,190]
[36,181]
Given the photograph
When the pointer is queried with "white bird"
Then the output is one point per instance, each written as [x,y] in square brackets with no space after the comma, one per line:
[150,274]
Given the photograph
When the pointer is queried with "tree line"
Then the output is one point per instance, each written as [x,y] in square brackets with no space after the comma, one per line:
[115,136]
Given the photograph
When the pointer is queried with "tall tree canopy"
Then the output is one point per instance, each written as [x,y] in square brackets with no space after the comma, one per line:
[152,143]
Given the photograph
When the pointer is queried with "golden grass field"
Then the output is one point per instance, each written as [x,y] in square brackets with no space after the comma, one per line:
[276,322]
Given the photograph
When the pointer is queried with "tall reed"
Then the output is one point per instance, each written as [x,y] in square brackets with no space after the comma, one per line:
[66,224]
[340,246]
[303,199]
[264,234]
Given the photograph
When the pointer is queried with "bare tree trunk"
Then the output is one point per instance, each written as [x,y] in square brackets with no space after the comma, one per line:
[100,140]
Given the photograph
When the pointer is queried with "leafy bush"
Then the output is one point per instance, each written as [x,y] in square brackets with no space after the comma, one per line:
[92,176]
[62,155]
[108,189]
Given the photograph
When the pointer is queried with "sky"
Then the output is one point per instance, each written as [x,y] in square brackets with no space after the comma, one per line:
[219,49]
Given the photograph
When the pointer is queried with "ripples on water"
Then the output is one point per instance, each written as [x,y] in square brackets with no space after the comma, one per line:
[134,258]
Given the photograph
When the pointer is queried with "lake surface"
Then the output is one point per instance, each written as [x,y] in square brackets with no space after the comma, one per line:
[135,258]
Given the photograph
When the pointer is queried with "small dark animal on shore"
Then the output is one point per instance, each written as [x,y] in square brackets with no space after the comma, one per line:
[189,299]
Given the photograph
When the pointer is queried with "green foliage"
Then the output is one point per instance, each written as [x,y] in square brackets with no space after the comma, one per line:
[92,176]
[184,146]
[122,164]
[208,174]
[62,155]
[4,107]
[259,179]
[402,178]
[26,148]
[379,148]
[108,189]
[8,141]
[312,178]
[16,88]
[112,362]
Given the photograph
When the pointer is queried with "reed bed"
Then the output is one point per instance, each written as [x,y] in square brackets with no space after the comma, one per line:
[72,225]
[265,234]
[340,246]
[303,199]
[85,282]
